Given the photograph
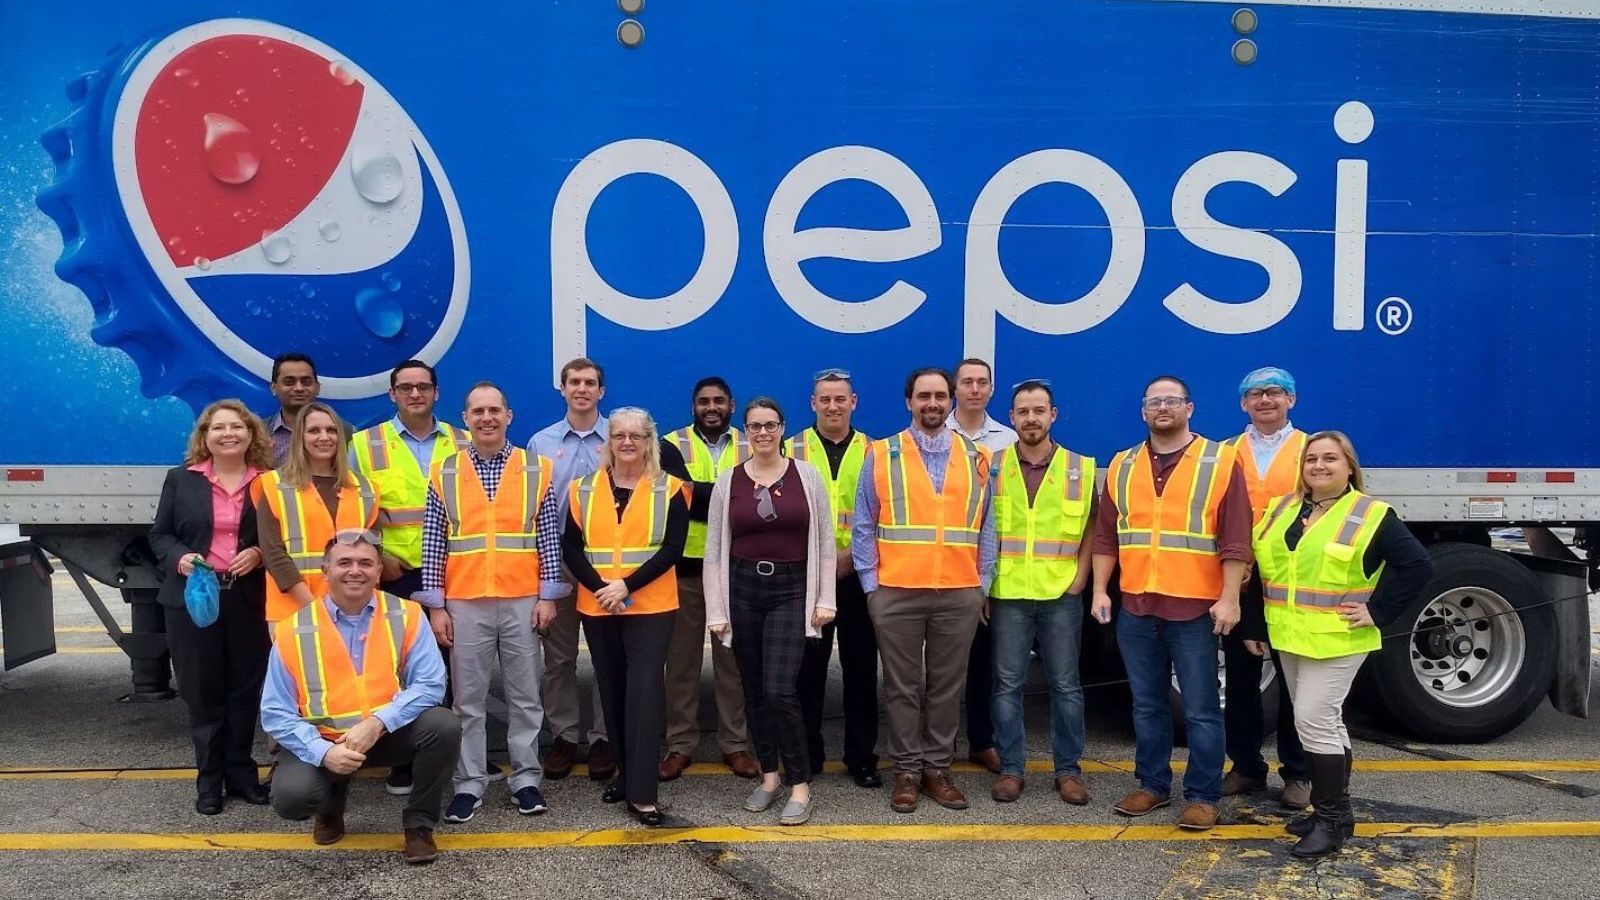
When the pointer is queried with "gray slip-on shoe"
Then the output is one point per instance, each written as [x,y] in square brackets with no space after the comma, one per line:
[762,799]
[795,812]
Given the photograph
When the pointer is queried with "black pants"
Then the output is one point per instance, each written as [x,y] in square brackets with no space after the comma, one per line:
[220,670]
[629,653]
[980,691]
[768,615]
[429,746]
[858,658]
[1244,723]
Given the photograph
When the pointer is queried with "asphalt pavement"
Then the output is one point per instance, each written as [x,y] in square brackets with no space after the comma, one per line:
[95,801]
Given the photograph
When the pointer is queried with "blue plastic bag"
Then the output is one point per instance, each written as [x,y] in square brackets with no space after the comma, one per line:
[200,595]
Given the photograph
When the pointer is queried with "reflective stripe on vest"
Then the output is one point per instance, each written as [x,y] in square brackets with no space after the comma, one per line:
[807,447]
[403,486]
[332,695]
[617,549]
[306,526]
[1167,540]
[491,543]
[935,545]
[1304,587]
[1039,538]
[1283,473]
[697,458]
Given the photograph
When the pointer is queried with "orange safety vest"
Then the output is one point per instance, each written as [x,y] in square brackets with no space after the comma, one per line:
[1167,543]
[1283,475]
[617,549]
[306,528]
[491,549]
[929,540]
[333,696]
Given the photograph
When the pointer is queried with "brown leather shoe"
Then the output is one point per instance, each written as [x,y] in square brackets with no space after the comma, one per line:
[1140,802]
[903,796]
[1072,790]
[743,764]
[1234,784]
[1007,788]
[558,761]
[936,783]
[989,759]
[328,827]
[602,764]
[1198,817]
[672,765]
[420,847]
[1296,795]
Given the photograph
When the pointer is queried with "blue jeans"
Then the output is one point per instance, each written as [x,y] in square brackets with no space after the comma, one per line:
[1152,650]
[1058,624]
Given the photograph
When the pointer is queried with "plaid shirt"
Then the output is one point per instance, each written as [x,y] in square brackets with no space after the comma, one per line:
[436,530]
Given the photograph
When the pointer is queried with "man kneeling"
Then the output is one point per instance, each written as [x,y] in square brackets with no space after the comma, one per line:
[355,679]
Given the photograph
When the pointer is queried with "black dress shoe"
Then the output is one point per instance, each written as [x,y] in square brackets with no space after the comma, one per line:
[614,793]
[867,778]
[251,793]
[653,818]
[208,804]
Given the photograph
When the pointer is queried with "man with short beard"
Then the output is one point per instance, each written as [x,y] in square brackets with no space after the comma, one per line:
[1174,518]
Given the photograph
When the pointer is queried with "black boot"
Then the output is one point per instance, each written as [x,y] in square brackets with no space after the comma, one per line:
[1327,786]
[1300,826]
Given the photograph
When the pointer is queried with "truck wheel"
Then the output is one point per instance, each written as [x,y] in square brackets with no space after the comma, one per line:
[1470,660]
[1269,698]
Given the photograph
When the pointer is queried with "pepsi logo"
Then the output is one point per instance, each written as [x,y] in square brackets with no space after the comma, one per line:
[286,201]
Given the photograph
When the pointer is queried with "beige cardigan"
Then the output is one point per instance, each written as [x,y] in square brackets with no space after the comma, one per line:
[820,558]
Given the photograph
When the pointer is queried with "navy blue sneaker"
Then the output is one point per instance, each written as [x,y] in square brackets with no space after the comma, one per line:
[530,802]
[462,808]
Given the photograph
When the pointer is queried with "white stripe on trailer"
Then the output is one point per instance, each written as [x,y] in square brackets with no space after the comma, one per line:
[1548,9]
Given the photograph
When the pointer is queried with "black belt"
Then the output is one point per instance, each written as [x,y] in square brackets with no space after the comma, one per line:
[767,568]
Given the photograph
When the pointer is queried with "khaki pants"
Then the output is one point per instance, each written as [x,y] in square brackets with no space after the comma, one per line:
[1318,688]
[562,709]
[685,657]
[924,636]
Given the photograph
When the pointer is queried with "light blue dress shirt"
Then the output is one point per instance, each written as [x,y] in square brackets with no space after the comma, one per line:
[572,453]
[935,450]
[421,686]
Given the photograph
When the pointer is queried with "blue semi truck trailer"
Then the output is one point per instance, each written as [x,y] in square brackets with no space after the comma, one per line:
[1398,200]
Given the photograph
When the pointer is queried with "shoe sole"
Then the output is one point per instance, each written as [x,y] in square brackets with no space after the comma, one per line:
[1134,815]
[795,820]
[324,843]
[948,804]
[453,820]
[901,808]
[1196,827]
[421,860]
[555,774]
[393,791]
[536,811]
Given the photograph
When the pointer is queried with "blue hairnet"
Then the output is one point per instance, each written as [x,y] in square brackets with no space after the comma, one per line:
[1267,376]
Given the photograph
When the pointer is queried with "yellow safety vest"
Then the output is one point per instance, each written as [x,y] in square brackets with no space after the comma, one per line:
[807,446]
[1039,541]
[1303,587]
[403,486]
[698,459]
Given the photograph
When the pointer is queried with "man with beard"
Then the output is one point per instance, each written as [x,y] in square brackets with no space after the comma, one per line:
[923,545]
[1269,455]
[1041,493]
[839,453]
[1174,518]
[706,449]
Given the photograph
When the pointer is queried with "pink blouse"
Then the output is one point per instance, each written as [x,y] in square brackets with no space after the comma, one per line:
[227,508]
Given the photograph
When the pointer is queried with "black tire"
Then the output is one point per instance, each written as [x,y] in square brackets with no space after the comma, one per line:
[1269,700]
[1475,578]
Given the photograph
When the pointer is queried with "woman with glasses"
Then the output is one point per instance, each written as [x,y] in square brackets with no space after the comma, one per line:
[769,576]
[314,494]
[1336,566]
[625,531]
[206,518]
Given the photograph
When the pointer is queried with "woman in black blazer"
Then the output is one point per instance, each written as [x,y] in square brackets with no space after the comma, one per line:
[205,515]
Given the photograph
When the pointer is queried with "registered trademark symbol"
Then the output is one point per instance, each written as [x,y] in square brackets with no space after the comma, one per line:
[1393,316]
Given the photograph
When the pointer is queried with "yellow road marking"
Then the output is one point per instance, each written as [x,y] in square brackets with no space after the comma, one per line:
[33,773]
[772,834]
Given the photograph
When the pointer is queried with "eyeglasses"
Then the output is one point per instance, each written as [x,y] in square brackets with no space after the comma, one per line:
[351,537]
[764,507]
[758,427]
[1154,403]
[1271,393]
[414,388]
[628,437]
[831,375]
[1032,382]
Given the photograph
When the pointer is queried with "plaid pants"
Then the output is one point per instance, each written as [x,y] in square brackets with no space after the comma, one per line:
[767,614]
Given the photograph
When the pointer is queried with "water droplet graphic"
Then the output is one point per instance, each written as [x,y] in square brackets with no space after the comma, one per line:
[252,307]
[329,230]
[201,263]
[242,94]
[378,178]
[380,312]
[186,76]
[230,149]
[307,291]
[340,70]
[391,281]
[276,248]
[174,241]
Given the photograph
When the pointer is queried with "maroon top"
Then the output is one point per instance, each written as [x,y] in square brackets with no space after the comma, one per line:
[1234,521]
[786,537]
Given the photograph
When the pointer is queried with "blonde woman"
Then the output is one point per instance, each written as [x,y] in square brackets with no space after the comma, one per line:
[206,516]
[769,576]
[313,495]
[625,530]
[1336,566]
